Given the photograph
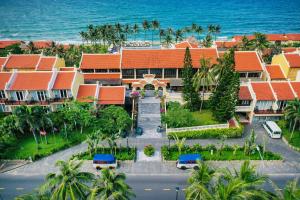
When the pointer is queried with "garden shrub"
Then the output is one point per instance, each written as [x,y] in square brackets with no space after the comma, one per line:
[178,117]
[149,150]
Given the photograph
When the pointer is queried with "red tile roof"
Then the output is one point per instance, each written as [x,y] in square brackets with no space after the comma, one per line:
[227,44]
[4,78]
[2,61]
[263,91]
[296,87]
[31,81]
[42,44]
[100,61]
[164,58]
[7,43]
[46,64]
[293,36]
[86,93]
[102,76]
[24,61]
[289,49]
[247,61]
[274,37]
[293,59]
[114,95]
[275,72]
[283,91]
[67,69]
[64,81]
[185,44]
[244,93]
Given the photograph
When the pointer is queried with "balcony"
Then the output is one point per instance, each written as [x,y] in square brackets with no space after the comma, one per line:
[243,108]
[36,102]
[268,112]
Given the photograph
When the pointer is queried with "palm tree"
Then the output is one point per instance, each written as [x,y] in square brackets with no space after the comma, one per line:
[260,41]
[292,114]
[170,31]
[290,192]
[111,185]
[162,33]
[211,29]
[127,30]
[217,30]
[246,43]
[31,47]
[69,183]
[201,175]
[155,26]
[168,40]
[199,30]
[207,41]
[204,78]
[179,142]
[178,35]
[146,27]
[136,30]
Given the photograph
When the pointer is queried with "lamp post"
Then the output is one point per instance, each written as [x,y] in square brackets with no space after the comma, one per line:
[177,190]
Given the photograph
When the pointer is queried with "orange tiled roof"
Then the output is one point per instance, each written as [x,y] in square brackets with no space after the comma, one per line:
[24,61]
[86,93]
[244,93]
[227,44]
[246,61]
[283,91]
[2,61]
[100,61]
[7,43]
[289,49]
[67,69]
[185,44]
[46,64]
[64,81]
[4,78]
[114,95]
[240,37]
[263,91]
[42,44]
[164,58]
[274,37]
[293,36]
[101,76]
[275,72]
[296,87]
[31,81]
[293,59]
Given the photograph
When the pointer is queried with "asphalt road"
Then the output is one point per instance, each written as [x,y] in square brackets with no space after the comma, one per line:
[145,187]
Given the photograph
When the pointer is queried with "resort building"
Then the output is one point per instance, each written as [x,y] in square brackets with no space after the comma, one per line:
[290,64]
[283,38]
[7,43]
[275,73]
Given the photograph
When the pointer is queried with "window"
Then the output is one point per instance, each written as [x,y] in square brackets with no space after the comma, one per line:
[63,93]
[101,70]
[180,71]
[244,103]
[253,75]
[127,73]
[2,108]
[2,94]
[41,95]
[157,72]
[242,75]
[88,70]
[114,70]
[170,73]
[20,96]
[141,72]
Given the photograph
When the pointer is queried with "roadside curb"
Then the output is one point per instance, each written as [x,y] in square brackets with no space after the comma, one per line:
[16,167]
[289,145]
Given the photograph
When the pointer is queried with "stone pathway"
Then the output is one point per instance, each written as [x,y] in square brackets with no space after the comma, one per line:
[149,117]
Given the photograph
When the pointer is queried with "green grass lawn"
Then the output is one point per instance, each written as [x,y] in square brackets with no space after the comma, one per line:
[204,117]
[295,141]
[26,147]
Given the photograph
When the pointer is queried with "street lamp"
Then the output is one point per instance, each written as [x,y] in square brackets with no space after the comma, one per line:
[177,190]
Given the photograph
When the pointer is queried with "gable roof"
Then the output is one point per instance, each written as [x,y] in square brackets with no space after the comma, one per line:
[96,76]
[293,59]
[7,43]
[63,80]
[113,95]
[244,93]
[263,91]
[42,44]
[283,91]
[2,61]
[275,72]
[31,81]
[46,64]
[273,37]
[4,78]
[185,44]
[22,61]
[86,93]
[164,58]
[246,61]
[289,49]
[100,61]
[227,44]
[296,87]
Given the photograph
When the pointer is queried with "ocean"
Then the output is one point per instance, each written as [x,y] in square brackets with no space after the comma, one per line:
[62,20]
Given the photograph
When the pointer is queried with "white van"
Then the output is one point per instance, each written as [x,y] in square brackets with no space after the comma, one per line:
[101,161]
[272,128]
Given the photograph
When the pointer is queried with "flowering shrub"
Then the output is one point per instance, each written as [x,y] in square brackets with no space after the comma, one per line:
[135,94]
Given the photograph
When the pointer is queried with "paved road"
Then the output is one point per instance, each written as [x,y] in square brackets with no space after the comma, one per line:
[145,187]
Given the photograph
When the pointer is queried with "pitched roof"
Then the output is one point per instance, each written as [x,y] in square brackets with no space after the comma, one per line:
[100,61]
[273,37]
[7,43]
[275,72]
[42,44]
[67,69]
[244,93]
[46,64]
[289,49]
[227,44]
[296,87]
[31,81]
[185,44]
[164,58]
[283,90]
[263,91]
[111,95]
[22,61]
[86,93]
[293,36]
[101,76]
[2,61]
[64,81]
[246,61]
[4,78]
[293,59]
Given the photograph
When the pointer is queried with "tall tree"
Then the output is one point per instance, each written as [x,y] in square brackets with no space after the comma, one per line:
[162,33]
[136,30]
[260,42]
[146,27]
[154,26]
[189,92]
[292,114]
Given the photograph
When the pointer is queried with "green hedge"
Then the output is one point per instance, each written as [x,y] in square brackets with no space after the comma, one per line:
[209,133]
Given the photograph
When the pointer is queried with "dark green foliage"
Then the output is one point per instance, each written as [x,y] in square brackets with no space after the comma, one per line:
[189,92]
[149,150]
[178,117]
[225,95]
[13,49]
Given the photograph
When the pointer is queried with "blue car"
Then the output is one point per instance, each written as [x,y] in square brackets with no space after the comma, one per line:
[104,161]
[187,161]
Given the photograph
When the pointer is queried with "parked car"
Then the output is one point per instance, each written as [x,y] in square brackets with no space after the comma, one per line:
[188,161]
[104,161]
[272,129]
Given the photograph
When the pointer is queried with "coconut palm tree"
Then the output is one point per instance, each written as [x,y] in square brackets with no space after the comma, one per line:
[204,78]
[31,47]
[246,44]
[168,40]
[179,142]
[211,29]
[136,30]
[111,185]
[201,175]
[207,41]
[170,31]
[162,33]
[146,27]
[290,192]
[292,114]
[199,30]
[154,25]
[217,30]
[178,35]
[68,183]
[127,31]
[260,41]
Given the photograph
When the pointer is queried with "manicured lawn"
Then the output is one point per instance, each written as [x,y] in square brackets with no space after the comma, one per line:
[26,147]
[295,141]
[204,117]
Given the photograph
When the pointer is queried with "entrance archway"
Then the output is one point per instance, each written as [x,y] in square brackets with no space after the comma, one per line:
[149,83]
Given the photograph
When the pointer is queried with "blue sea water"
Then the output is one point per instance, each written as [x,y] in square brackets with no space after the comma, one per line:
[62,20]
